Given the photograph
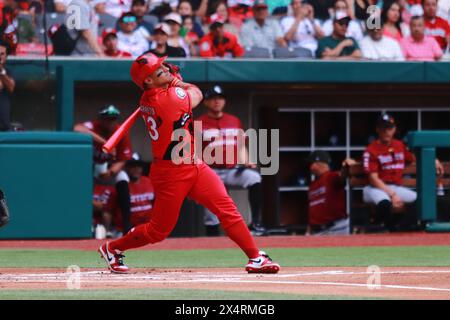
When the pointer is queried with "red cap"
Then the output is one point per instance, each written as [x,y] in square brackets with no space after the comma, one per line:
[108,31]
[144,66]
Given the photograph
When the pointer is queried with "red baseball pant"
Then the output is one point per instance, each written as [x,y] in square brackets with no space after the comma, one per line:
[173,183]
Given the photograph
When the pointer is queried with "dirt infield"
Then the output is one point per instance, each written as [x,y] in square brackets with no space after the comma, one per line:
[399,239]
[398,283]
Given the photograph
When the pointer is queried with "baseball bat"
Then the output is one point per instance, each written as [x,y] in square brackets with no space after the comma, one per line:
[120,132]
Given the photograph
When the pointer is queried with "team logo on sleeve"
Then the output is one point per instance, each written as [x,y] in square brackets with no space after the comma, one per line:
[180,93]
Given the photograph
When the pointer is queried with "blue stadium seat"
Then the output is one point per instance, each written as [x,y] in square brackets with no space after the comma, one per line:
[257,52]
[106,21]
[150,18]
[292,53]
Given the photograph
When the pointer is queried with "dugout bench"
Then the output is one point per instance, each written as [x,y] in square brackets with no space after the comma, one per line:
[362,213]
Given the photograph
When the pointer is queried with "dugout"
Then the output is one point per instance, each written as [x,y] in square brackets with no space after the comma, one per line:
[294,96]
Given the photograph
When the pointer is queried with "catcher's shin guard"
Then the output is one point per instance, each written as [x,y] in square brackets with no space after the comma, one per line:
[4,212]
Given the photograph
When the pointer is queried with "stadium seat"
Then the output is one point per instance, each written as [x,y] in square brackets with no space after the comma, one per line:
[292,53]
[256,52]
[106,21]
[150,18]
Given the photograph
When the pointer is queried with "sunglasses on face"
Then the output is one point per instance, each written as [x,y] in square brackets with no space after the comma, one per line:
[129,19]
[343,23]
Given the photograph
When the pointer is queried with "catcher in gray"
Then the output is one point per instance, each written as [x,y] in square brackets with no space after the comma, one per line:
[4,212]
[221,129]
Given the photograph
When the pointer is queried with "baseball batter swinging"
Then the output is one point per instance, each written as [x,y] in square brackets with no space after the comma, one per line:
[166,105]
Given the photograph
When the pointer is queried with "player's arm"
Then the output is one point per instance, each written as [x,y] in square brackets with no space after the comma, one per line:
[116,167]
[195,94]
[80,127]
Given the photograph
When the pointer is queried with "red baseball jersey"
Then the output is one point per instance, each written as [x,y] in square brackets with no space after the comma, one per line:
[221,133]
[142,197]
[106,195]
[123,149]
[439,29]
[326,199]
[388,160]
[164,111]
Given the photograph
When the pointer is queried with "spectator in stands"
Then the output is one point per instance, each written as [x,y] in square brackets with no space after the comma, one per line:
[240,10]
[376,46]
[435,26]
[301,29]
[338,46]
[110,42]
[7,86]
[220,43]
[99,6]
[8,25]
[359,9]
[192,39]
[443,9]
[111,166]
[232,25]
[61,5]
[327,213]
[87,32]
[160,46]
[117,8]
[184,9]
[140,8]
[261,31]
[354,29]
[384,161]
[322,9]
[162,8]
[131,38]
[176,40]
[418,46]
[391,20]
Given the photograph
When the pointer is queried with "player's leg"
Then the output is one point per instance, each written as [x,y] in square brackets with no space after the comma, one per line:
[211,223]
[210,191]
[250,180]
[171,187]
[408,220]
[383,204]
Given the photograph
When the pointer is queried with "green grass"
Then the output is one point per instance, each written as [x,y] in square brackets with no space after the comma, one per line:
[431,256]
[155,294]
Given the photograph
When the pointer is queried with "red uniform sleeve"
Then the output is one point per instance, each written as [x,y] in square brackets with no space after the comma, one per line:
[409,156]
[238,51]
[124,150]
[175,97]
[370,161]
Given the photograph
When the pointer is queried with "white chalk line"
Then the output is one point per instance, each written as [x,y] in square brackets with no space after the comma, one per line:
[205,277]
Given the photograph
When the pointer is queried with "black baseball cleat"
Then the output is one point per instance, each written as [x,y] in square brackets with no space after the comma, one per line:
[257,230]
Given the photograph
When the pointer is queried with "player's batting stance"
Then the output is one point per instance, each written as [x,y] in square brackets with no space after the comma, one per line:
[166,105]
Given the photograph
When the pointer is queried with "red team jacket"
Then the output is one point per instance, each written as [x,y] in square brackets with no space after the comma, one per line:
[123,149]
[142,197]
[438,29]
[326,199]
[388,161]
[229,47]
[166,110]
[226,129]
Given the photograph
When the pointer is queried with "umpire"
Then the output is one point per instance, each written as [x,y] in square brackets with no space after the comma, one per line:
[221,128]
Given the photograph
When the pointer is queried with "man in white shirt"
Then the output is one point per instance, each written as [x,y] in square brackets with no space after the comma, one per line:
[300,29]
[354,29]
[376,46]
[131,38]
[260,31]
[116,8]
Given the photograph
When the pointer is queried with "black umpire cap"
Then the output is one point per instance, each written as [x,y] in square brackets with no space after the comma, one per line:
[385,120]
[319,156]
[214,92]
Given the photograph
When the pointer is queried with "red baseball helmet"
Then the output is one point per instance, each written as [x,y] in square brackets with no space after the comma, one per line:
[144,66]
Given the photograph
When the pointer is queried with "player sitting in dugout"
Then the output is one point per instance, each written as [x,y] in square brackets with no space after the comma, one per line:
[107,211]
[327,213]
[384,162]
[111,166]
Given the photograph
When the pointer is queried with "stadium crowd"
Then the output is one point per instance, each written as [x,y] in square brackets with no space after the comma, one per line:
[323,29]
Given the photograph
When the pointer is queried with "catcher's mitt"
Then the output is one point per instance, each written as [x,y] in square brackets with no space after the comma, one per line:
[4,212]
